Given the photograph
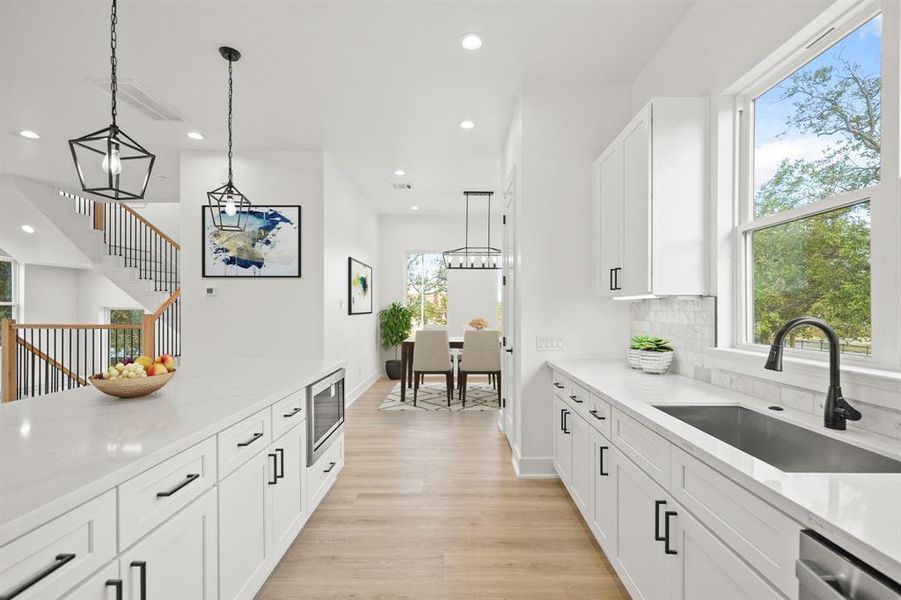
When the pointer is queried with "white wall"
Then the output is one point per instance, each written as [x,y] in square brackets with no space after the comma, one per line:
[561,131]
[96,293]
[471,294]
[350,229]
[262,317]
[48,294]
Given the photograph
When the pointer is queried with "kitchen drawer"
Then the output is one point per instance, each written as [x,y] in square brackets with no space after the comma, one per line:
[579,399]
[58,555]
[243,440]
[150,498]
[560,384]
[288,412]
[763,536]
[102,586]
[600,415]
[649,451]
[323,472]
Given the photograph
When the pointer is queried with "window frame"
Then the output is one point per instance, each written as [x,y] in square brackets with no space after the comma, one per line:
[885,316]
[14,287]
[407,255]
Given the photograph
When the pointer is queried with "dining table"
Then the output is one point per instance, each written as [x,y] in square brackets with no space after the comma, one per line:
[406,362]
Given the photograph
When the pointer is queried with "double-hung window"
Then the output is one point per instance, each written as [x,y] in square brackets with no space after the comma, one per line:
[818,212]
[7,288]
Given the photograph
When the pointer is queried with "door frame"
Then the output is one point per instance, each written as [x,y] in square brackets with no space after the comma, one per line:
[507,417]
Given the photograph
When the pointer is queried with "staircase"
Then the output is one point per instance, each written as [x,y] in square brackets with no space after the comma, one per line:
[131,252]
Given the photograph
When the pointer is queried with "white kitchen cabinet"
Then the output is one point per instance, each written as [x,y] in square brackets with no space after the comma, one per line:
[177,560]
[582,463]
[563,446]
[650,203]
[245,528]
[603,480]
[289,492]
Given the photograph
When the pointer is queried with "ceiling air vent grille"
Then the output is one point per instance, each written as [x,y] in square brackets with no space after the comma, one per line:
[402,186]
[139,97]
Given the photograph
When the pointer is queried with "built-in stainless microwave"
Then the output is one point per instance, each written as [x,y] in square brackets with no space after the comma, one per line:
[325,414]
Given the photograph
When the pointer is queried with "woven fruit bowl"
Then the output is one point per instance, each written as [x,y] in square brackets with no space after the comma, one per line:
[131,388]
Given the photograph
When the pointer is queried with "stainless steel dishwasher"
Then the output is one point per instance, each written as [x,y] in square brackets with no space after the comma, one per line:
[826,572]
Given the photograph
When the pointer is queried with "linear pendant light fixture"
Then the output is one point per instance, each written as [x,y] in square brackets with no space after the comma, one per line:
[109,162]
[474,257]
[229,208]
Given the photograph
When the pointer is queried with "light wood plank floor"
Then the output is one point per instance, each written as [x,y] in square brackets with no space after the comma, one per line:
[428,507]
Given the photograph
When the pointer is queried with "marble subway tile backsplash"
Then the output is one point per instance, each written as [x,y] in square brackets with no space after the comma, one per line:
[690,324]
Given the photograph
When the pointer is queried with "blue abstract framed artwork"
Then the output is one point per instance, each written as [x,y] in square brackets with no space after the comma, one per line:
[269,246]
[359,287]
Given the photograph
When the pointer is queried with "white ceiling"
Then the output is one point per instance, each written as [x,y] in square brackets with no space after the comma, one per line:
[380,85]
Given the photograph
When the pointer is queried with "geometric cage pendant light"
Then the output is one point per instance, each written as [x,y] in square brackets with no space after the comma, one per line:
[474,257]
[229,208]
[109,162]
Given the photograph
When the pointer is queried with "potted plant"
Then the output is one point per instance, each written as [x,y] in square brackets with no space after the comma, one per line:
[634,350]
[655,355]
[395,323]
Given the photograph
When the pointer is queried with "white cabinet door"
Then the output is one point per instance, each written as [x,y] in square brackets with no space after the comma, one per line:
[177,560]
[244,526]
[581,463]
[608,217]
[708,569]
[635,277]
[603,479]
[563,446]
[289,492]
[104,585]
[640,550]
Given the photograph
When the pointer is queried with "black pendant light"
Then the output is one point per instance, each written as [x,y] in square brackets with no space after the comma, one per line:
[474,257]
[109,162]
[229,208]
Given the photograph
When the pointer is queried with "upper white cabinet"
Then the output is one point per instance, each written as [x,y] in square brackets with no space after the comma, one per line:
[650,203]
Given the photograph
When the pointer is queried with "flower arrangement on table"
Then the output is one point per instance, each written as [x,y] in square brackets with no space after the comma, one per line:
[478,323]
[650,354]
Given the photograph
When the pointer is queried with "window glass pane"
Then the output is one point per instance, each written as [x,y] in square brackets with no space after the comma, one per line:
[426,288]
[818,266]
[125,343]
[817,132]
[6,281]
[6,312]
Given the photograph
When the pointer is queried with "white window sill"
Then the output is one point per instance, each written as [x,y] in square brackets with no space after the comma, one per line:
[874,386]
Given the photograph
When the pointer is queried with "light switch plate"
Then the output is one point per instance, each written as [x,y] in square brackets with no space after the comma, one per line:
[549,343]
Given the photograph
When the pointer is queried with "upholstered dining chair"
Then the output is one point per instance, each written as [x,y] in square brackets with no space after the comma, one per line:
[482,356]
[431,355]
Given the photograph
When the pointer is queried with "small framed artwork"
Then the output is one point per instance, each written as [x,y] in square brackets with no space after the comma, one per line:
[359,287]
[269,246]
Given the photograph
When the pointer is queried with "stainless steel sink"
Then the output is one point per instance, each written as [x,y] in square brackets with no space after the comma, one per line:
[785,446]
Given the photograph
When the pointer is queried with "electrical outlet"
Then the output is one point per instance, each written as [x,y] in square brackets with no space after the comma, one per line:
[549,343]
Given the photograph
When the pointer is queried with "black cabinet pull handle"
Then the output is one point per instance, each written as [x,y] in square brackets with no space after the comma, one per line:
[116,583]
[558,385]
[142,564]
[657,505]
[191,477]
[616,278]
[281,454]
[255,437]
[565,429]
[274,469]
[594,413]
[611,284]
[562,419]
[575,399]
[292,413]
[666,517]
[58,562]
[602,473]
[331,466]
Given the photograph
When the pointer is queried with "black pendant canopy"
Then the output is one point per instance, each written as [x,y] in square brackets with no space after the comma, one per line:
[474,257]
[109,162]
[229,208]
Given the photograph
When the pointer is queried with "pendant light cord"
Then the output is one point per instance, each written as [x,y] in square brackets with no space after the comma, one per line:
[114,85]
[230,93]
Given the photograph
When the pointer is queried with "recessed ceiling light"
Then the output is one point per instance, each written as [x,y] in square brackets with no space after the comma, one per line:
[195,135]
[467,124]
[400,172]
[472,41]
[414,208]
[27,228]
[31,135]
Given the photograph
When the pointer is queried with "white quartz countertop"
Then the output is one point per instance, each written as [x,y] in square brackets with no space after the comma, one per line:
[861,512]
[59,451]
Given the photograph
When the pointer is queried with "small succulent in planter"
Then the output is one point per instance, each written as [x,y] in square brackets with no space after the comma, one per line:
[650,354]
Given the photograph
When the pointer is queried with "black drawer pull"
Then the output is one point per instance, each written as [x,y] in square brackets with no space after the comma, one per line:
[142,564]
[292,413]
[274,458]
[657,505]
[331,466]
[280,474]
[58,562]
[595,414]
[575,399]
[255,437]
[116,583]
[191,477]
[666,517]
[562,419]
[559,385]
[602,473]
[566,413]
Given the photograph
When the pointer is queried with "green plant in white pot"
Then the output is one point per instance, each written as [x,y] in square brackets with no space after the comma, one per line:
[655,355]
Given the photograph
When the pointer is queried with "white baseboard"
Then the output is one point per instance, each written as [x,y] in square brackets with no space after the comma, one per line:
[351,397]
[533,467]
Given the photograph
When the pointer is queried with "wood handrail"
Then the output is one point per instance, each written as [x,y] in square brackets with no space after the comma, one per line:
[153,227]
[75,326]
[166,304]
[51,361]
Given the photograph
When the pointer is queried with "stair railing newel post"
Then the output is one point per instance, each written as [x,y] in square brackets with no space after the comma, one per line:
[9,348]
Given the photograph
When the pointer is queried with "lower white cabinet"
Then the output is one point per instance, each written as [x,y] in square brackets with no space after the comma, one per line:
[178,559]
[289,493]
[104,585]
[603,480]
[582,463]
[563,446]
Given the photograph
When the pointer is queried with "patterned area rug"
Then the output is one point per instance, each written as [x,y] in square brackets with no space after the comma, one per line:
[433,397]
